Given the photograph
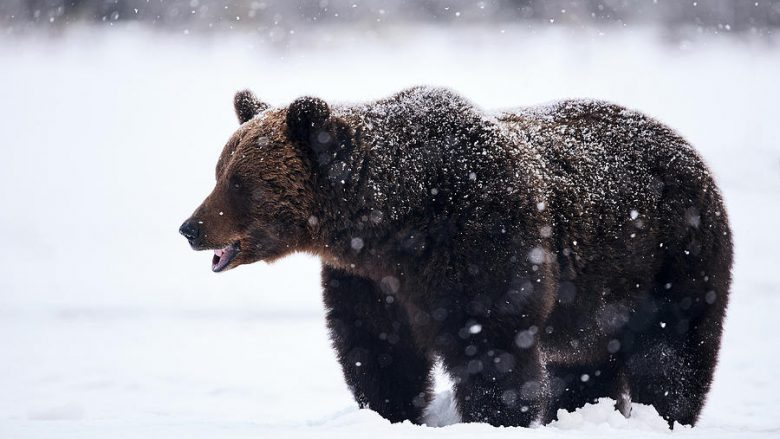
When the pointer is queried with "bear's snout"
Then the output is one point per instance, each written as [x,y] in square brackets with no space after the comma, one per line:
[190,230]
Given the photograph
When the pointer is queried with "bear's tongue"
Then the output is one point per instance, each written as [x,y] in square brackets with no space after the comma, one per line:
[221,258]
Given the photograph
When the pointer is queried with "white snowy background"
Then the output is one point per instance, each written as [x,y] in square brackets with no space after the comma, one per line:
[110,326]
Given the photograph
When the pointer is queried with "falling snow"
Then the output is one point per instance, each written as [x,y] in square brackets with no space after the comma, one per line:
[183,353]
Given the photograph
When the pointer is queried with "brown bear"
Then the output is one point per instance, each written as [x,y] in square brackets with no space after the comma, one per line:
[547,256]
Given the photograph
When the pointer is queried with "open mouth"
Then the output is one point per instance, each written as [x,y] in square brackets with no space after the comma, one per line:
[223,257]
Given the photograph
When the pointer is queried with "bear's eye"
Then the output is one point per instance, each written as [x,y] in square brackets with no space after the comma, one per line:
[235,183]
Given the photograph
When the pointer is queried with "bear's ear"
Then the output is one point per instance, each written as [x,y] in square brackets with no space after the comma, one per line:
[307,117]
[324,137]
[247,105]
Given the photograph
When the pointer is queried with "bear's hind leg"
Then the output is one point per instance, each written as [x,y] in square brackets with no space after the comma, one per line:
[667,377]
[495,381]
[374,343]
[671,344]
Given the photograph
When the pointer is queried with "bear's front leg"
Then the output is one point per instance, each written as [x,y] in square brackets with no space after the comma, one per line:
[500,383]
[370,332]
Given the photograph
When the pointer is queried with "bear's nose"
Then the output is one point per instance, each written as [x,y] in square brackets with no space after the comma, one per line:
[190,230]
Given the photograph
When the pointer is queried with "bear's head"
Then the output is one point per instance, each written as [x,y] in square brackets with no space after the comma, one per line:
[265,202]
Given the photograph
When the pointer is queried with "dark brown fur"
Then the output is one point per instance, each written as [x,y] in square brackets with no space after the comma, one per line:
[548,256]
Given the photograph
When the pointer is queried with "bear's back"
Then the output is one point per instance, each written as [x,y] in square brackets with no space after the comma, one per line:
[602,157]
[415,115]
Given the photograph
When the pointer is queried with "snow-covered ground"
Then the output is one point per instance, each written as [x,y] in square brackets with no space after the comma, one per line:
[111,327]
